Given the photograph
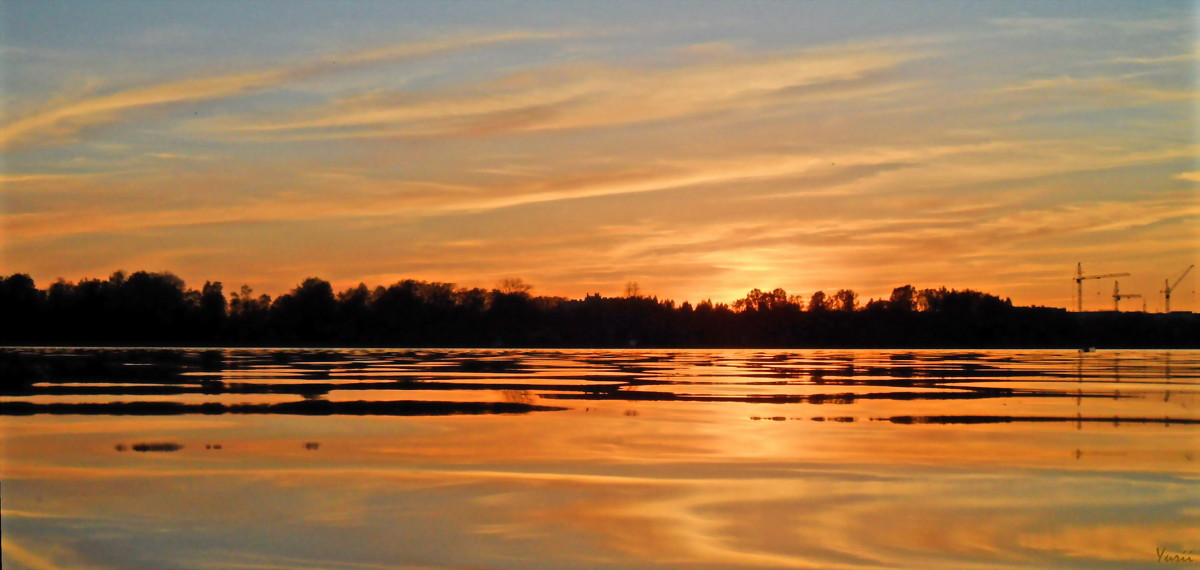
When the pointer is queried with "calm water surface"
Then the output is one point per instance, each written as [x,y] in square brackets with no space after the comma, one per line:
[597,459]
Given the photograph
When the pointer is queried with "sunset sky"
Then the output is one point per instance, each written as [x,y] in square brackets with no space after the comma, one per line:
[700,149]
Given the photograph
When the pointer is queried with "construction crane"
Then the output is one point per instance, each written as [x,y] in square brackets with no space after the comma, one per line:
[1168,287]
[1079,277]
[1117,296]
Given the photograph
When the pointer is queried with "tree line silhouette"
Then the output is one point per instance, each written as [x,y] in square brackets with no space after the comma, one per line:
[158,309]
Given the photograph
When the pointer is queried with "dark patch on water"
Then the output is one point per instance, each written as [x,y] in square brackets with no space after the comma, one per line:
[520,378]
[305,407]
[154,447]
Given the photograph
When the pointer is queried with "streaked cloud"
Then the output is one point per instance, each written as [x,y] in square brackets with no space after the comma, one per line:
[65,116]
[1125,87]
[10,179]
[591,95]
[40,556]
[62,119]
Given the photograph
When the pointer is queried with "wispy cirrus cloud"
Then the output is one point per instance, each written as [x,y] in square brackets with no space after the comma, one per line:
[319,194]
[315,194]
[592,95]
[1124,88]
[12,179]
[1161,60]
[65,116]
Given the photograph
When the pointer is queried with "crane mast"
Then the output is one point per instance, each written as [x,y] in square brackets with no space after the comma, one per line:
[1079,277]
[1117,296]
[1168,287]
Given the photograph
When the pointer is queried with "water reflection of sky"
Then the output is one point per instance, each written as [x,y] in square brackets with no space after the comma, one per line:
[621,482]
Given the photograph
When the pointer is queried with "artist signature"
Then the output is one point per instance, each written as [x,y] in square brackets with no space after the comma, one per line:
[1181,556]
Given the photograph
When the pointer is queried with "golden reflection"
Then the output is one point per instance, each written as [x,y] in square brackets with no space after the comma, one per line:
[42,557]
[622,480]
[797,517]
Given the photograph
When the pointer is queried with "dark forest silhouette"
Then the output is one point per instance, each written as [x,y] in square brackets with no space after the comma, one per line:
[158,309]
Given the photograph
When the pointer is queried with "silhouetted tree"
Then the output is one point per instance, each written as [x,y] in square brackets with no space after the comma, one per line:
[214,309]
[21,303]
[307,313]
[153,305]
[249,317]
[845,300]
[514,285]
[818,302]
[797,300]
[512,314]
[903,299]
[757,300]
[353,314]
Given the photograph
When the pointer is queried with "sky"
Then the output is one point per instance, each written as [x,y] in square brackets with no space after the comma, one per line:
[699,149]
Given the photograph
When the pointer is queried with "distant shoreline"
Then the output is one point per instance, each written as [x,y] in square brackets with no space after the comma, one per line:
[157,309]
[204,347]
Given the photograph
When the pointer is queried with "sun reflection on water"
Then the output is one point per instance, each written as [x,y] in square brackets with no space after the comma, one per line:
[621,459]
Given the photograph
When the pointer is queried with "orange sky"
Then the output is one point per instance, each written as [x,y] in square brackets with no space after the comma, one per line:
[699,149]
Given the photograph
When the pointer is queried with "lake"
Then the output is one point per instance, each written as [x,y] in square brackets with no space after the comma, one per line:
[303,458]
